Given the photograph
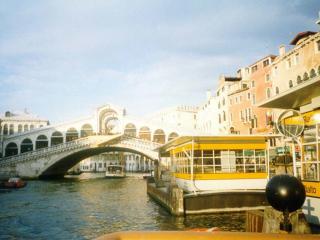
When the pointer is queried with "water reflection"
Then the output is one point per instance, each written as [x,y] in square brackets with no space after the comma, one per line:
[84,209]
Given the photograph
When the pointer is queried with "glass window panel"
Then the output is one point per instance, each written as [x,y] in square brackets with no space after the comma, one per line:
[310,152]
[310,171]
[207,153]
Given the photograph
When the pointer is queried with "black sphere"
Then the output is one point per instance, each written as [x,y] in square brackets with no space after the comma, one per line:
[285,193]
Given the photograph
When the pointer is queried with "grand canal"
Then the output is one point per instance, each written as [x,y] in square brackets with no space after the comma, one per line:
[85,209]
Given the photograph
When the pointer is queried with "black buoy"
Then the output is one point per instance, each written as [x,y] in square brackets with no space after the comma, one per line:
[285,193]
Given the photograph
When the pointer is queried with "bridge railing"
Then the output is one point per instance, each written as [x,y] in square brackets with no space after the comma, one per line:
[78,143]
[140,143]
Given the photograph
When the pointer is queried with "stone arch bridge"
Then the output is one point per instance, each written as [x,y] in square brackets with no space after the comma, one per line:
[54,161]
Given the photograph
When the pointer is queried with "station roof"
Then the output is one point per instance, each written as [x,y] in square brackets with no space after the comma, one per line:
[217,140]
[295,97]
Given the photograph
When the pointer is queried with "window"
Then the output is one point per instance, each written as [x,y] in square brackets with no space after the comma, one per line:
[240,99]
[219,118]
[254,68]
[299,80]
[275,70]
[224,116]
[253,99]
[230,101]
[305,76]
[312,73]
[230,116]
[266,63]
[268,93]
[296,59]
[318,46]
[218,93]
[218,105]
[222,90]
[267,77]
[289,63]
[241,116]
[277,90]
[252,84]
[248,96]
[223,102]
[290,84]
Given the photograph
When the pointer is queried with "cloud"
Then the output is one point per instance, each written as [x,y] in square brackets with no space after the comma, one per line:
[143,55]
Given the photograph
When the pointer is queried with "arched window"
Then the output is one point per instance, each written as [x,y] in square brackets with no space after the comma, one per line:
[5,129]
[290,84]
[277,90]
[219,118]
[11,149]
[20,128]
[305,76]
[268,93]
[299,80]
[86,130]
[26,145]
[130,130]
[313,73]
[42,142]
[11,130]
[31,127]
[145,133]
[224,116]
[56,138]
[172,136]
[25,128]
[159,136]
[71,134]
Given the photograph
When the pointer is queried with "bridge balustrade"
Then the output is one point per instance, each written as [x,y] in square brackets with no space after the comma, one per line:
[78,143]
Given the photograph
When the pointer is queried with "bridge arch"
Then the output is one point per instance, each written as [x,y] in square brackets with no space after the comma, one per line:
[56,138]
[60,167]
[11,149]
[172,136]
[26,145]
[145,133]
[42,142]
[159,136]
[86,130]
[72,134]
[130,130]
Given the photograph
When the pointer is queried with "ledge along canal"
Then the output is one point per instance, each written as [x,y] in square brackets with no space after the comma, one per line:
[88,208]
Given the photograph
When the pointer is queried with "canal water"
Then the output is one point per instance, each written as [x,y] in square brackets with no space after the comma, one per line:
[85,209]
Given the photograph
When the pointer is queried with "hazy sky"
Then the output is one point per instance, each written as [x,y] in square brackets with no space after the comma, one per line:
[62,59]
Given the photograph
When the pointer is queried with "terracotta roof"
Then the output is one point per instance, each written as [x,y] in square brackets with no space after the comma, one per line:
[300,36]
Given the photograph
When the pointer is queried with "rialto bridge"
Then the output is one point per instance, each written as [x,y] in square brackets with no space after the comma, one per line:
[52,150]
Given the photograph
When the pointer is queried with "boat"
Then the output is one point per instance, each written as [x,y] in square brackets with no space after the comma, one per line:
[15,182]
[115,171]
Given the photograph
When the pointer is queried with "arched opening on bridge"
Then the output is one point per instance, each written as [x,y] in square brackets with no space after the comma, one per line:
[20,128]
[31,127]
[145,133]
[72,134]
[130,130]
[5,129]
[104,116]
[172,135]
[42,142]
[11,149]
[11,130]
[159,136]
[86,130]
[26,145]
[25,128]
[112,125]
[56,138]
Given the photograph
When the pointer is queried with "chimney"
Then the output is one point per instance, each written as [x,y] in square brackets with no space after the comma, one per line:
[282,50]
[208,95]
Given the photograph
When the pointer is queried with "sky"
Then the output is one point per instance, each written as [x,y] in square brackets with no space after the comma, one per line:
[62,59]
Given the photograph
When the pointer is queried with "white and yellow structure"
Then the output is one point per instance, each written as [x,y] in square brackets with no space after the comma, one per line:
[219,163]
